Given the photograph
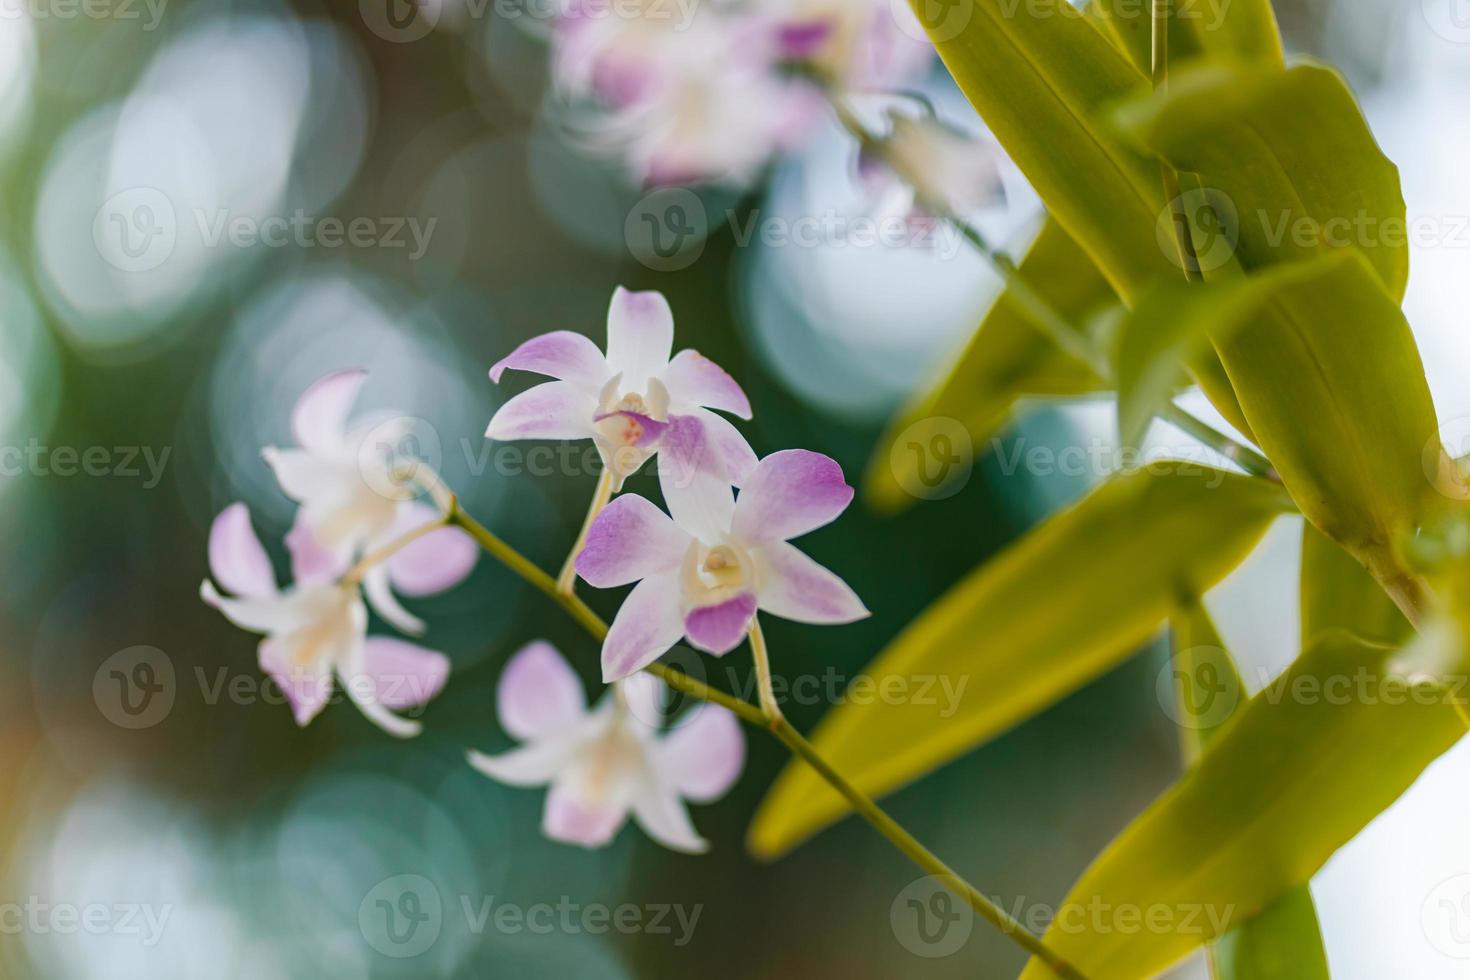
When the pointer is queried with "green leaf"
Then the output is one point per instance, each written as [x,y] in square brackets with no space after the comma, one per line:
[1243,30]
[1338,593]
[1041,83]
[1295,777]
[1288,191]
[1061,606]
[1330,379]
[1285,941]
[1007,359]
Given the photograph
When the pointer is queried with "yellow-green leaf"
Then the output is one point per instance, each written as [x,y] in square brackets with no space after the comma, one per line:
[1058,608]
[1006,359]
[1295,777]
[1042,83]
[1243,30]
[1330,380]
[1338,593]
[1285,941]
[1296,191]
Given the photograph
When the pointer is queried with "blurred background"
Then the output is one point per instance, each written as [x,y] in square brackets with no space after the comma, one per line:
[147,352]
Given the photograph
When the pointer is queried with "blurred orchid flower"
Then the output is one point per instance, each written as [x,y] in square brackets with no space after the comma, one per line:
[358,494]
[605,763]
[853,44]
[924,166]
[705,572]
[315,631]
[627,400]
[705,101]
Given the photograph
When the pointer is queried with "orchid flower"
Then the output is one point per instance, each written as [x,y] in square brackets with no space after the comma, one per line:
[315,631]
[705,101]
[605,763]
[356,498]
[705,572]
[854,44]
[923,166]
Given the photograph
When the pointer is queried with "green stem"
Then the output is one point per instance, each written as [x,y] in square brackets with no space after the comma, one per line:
[1241,455]
[782,729]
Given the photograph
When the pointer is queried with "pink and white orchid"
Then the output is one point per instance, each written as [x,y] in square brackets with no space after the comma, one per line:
[611,761]
[925,169]
[854,44]
[357,495]
[705,572]
[626,400]
[315,631]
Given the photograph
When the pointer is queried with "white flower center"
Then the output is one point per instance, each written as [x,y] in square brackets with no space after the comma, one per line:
[619,435]
[712,575]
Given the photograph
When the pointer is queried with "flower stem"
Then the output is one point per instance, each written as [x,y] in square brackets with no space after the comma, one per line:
[762,660]
[774,722]
[566,582]
[354,574]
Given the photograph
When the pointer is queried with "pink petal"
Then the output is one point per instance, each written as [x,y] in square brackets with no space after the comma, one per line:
[319,420]
[739,459]
[306,691]
[638,430]
[794,587]
[640,335]
[312,562]
[571,819]
[630,540]
[703,757]
[646,626]
[789,494]
[236,557]
[800,40]
[695,379]
[695,484]
[433,563]
[401,675]
[563,355]
[719,629]
[539,694]
[554,410]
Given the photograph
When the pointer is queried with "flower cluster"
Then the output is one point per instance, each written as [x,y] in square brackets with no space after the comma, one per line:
[703,570]
[713,97]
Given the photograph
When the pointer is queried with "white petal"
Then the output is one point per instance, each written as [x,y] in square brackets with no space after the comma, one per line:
[587,816]
[533,764]
[793,586]
[377,586]
[305,476]
[663,816]
[319,420]
[272,614]
[554,410]
[789,494]
[379,715]
[734,451]
[695,379]
[640,335]
[694,482]
[630,540]
[648,624]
